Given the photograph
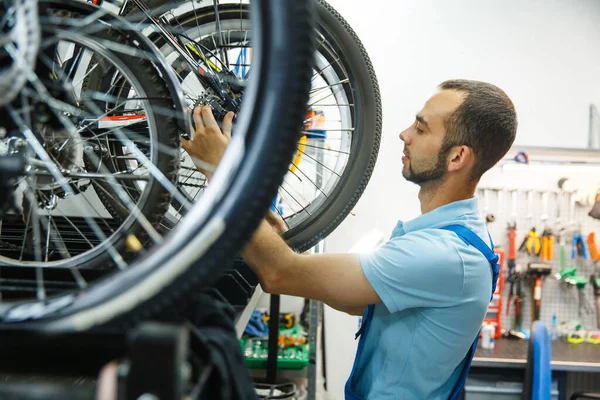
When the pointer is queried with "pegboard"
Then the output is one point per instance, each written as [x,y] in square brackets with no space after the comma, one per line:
[539,203]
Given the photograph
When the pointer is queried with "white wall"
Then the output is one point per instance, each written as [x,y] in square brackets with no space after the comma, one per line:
[544,54]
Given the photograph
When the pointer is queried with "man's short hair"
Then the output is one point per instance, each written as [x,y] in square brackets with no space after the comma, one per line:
[486,121]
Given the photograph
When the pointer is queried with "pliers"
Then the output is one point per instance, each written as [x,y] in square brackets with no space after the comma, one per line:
[532,243]
[578,247]
[547,245]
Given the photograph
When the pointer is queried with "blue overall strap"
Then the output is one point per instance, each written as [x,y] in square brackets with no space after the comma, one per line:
[349,394]
[471,238]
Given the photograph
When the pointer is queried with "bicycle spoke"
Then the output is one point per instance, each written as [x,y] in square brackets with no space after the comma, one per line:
[326,149]
[319,163]
[184,83]
[318,187]
[302,207]
[90,70]
[51,101]
[62,181]
[195,19]
[57,239]
[48,231]
[302,196]
[218,20]
[331,130]
[313,91]
[37,247]
[25,234]
[152,169]
[318,73]
[72,226]
[321,99]
[336,105]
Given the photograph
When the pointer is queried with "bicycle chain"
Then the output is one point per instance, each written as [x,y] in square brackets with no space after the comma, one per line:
[195,185]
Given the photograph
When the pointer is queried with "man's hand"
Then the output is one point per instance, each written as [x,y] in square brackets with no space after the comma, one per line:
[209,141]
[331,278]
[276,221]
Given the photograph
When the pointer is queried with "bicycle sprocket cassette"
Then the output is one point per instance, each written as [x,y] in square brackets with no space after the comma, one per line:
[215,102]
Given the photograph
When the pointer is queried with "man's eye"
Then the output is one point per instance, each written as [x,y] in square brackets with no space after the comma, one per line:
[419,130]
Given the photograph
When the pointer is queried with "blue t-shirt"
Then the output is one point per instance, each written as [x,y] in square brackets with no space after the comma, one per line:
[435,291]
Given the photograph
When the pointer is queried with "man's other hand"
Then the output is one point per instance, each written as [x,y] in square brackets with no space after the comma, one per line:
[209,141]
[276,222]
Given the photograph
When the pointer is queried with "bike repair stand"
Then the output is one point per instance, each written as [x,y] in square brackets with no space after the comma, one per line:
[271,389]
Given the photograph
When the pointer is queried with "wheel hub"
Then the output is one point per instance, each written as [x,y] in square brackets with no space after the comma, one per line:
[66,150]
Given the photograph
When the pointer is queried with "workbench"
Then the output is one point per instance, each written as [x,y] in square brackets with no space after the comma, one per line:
[575,367]
[512,353]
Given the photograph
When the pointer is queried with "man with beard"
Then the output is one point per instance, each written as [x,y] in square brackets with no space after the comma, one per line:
[423,294]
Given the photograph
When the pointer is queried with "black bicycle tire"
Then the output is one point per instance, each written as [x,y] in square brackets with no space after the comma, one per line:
[364,150]
[366,138]
[160,278]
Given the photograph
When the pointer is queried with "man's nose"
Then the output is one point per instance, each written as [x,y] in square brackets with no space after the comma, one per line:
[404,136]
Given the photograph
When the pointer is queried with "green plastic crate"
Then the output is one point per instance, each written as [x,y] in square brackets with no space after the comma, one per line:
[255,352]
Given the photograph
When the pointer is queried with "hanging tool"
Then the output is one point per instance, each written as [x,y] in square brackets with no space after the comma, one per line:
[538,271]
[531,243]
[557,205]
[580,282]
[512,248]
[596,285]
[595,211]
[578,247]
[566,273]
[516,293]
[518,298]
[547,234]
[489,217]
[592,245]
[529,205]
[512,236]
[547,245]
[512,256]
[513,213]
[544,216]
[563,248]
[513,277]
[522,157]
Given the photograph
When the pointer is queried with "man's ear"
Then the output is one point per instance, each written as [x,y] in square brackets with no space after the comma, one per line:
[460,157]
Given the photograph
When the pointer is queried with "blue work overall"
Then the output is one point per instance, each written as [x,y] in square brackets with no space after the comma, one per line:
[470,238]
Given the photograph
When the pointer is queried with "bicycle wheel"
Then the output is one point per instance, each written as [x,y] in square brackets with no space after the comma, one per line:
[77,152]
[193,254]
[336,155]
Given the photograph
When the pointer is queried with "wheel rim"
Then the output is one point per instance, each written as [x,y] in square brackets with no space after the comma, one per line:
[312,182]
